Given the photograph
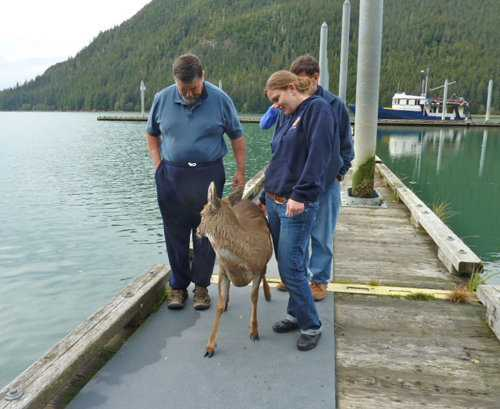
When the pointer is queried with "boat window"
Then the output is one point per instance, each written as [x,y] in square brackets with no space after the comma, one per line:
[411,102]
[403,102]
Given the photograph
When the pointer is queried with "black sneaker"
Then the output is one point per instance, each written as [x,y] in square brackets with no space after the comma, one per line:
[284,326]
[308,342]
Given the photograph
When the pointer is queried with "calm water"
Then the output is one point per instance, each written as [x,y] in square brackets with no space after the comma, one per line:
[79,218]
[457,166]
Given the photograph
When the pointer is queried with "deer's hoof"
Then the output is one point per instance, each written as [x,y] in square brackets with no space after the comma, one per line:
[255,337]
[209,353]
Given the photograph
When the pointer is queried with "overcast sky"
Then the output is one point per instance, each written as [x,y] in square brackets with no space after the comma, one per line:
[35,34]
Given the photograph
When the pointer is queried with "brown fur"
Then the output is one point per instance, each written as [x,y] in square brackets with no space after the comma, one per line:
[239,234]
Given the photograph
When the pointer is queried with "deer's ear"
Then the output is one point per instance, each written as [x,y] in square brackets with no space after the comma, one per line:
[236,196]
[212,197]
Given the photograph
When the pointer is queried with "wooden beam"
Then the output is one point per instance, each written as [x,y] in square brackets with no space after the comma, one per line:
[47,379]
[489,296]
[254,186]
[374,290]
[452,251]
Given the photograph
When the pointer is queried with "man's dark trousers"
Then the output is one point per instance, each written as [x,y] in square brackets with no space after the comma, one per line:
[182,193]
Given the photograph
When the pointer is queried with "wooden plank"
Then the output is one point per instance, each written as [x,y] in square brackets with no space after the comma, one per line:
[455,254]
[489,296]
[394,353]
[46,379]
[367,289]
[254,186]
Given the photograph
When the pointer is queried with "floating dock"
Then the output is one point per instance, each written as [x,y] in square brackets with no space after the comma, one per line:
[391,338]
[251,118]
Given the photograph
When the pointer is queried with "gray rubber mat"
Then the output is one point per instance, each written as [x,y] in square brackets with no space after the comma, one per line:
[162,363]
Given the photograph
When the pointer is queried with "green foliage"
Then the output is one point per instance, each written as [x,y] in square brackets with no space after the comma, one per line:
[477,279]
[363,179]
[442,210]
[420,296]
[241,42]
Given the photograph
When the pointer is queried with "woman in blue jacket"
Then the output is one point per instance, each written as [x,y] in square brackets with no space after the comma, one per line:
[302,149]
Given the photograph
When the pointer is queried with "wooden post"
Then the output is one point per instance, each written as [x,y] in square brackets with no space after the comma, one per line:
[345,46]
[142,88]
[489,99]
[322,58]
[444,102]
[370,33]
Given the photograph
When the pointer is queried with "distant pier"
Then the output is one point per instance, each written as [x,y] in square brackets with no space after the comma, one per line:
[476,121]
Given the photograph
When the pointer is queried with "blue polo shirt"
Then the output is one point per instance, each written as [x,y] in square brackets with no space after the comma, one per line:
[193,132]
[303,148]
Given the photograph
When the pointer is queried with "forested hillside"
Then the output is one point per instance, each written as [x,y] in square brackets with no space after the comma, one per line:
[241,42]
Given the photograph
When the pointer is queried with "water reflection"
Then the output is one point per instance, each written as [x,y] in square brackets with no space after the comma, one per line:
[482,154]
[459,166]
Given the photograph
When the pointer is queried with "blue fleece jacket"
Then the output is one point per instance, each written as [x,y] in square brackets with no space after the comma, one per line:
[303,147]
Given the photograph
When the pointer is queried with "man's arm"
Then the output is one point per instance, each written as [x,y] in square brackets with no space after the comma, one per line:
[346,141]
[154,149]
[239,151]
[269,118]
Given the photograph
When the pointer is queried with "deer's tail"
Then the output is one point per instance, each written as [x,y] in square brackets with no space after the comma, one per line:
[266,289]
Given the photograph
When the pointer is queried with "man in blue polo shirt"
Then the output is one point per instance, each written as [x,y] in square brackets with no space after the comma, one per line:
[185,132]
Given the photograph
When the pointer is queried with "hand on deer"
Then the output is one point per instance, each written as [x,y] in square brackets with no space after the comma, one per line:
[294,208]
[239,179]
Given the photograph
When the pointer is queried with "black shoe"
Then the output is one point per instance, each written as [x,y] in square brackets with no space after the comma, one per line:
[308,342]
[284,326]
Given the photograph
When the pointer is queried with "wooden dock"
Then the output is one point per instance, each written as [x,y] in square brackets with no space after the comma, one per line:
[254,118]
[398,345]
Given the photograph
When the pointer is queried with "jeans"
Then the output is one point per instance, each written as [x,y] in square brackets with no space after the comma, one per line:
[290,239]
[322,235]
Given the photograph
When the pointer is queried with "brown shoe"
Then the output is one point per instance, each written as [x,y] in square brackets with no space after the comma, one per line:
[281,287]
[319,291]
[177,298]
[201,298]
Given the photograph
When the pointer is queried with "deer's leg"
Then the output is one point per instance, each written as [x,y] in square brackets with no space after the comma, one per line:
[223,286]
[266,289]
[227,301]
[254,334]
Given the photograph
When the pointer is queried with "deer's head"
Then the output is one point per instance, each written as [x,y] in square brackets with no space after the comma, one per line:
[217,214]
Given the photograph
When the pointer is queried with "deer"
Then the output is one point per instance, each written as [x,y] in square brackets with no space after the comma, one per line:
[239,234]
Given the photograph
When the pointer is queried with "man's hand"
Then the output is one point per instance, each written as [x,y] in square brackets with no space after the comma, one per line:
[294,208]
[154,150]
[239,179]
[238,146]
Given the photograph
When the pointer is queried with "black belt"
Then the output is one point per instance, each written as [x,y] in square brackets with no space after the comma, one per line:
[193,164]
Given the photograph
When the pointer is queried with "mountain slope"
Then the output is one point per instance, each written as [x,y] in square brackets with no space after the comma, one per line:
[241,42]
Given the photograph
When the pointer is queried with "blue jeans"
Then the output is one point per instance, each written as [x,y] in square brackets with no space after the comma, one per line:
[290,239]
[322,236]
